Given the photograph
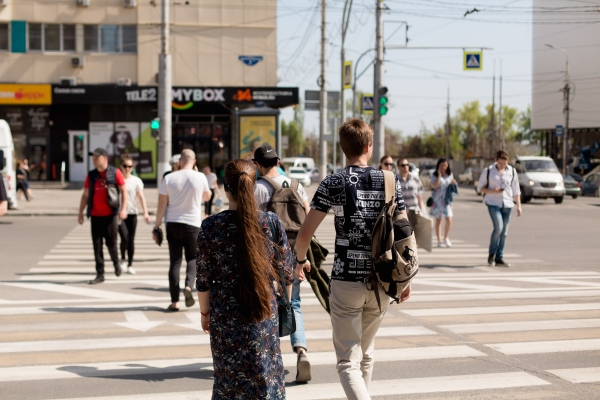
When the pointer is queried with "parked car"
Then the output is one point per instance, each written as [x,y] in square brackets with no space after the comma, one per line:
[7,172]
[425,177]
[466,176]
[305,162]
[572,187]
[539,178]
[577,177]
[300,174]
[590,185]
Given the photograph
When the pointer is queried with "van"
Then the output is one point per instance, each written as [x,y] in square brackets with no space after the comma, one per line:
[7,153]
[302,162]
[539,178]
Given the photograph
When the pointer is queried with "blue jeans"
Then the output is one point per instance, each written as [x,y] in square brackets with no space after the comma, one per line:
[297,338]
[501,220]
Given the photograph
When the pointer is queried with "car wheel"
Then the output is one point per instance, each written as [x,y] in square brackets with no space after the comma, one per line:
[574,196]
[524,199]
[559,200]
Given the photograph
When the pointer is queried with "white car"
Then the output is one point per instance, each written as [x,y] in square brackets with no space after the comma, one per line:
[466,176]
[300,174]
[425,177]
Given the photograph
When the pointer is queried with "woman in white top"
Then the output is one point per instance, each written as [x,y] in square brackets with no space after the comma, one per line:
[135,197]
[214,188]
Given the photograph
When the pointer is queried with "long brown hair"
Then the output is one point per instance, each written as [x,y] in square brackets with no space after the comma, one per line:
[255,265]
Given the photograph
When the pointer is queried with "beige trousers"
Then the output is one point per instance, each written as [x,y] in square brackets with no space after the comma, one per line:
[355,317]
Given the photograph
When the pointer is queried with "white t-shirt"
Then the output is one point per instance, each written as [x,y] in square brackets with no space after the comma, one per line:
[184,189]
[264,191]
[211,178]
[133,185]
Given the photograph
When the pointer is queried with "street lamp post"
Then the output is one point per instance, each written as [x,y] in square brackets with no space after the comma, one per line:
[566,94]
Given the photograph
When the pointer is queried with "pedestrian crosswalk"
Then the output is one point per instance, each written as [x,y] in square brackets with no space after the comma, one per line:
[468,330]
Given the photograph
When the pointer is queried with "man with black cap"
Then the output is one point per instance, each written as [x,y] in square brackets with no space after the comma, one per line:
[266,160]
[102,189]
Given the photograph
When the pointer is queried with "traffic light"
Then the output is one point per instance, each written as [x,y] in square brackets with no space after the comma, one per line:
[383,100]
[155,127]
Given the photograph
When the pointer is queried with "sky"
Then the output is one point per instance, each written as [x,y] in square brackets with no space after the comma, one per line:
[417,79]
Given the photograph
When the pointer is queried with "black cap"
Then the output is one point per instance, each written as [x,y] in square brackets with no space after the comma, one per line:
[99,152]
[264,153]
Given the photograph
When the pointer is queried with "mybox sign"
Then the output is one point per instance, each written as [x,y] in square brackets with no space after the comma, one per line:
[184,95]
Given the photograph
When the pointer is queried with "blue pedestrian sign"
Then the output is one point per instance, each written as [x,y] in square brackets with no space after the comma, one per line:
[559,131]
[366,104]
[473,60]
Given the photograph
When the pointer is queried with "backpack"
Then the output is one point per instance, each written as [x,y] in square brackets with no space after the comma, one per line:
[393,248]
[287,204]
[114,200]
[487,179]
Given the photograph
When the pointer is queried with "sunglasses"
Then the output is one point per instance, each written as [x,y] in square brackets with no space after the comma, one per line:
[403,165]
[127,166]
[388,164]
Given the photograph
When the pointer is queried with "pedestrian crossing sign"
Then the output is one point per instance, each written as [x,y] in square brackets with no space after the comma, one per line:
[473,60]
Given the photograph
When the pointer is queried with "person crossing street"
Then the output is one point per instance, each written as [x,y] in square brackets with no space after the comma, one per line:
[412,190]
[266,161]
[102,188]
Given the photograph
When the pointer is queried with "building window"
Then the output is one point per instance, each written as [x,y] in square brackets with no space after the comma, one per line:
[52,37]
[110,38]
[4,37]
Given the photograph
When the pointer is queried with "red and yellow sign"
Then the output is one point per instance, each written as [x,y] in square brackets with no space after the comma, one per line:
[25,94]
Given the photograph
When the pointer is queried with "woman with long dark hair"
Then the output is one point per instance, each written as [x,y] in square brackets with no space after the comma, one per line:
[386,163]
[442,178]
[240,252]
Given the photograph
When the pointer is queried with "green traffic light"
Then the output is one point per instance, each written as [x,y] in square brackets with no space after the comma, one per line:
[383,100]
[383,110]
[155,124]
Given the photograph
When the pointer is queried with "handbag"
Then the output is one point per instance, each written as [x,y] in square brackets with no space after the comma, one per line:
[287,318]
[430,202]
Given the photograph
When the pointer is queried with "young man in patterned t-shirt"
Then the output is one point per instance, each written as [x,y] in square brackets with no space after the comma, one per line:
[357,196]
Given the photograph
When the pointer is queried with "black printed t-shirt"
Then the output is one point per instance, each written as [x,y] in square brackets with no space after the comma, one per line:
[356,195]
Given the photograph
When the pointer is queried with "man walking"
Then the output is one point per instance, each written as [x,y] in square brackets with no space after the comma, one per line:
[499,184]
[103,210]
[357,196]
[412,190]
[266,160]
[183,190]
[3,198]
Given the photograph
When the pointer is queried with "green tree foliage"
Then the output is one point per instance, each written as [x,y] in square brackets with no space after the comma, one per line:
[295,138]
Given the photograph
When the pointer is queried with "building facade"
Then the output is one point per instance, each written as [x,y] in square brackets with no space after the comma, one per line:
[570,34]
[80,74]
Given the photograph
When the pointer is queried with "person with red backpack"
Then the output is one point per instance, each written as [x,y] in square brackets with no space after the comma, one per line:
[104,194]
[287,198]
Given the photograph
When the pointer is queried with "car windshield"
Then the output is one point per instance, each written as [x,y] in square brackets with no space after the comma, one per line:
[297,171]
[568,178]
[540,166]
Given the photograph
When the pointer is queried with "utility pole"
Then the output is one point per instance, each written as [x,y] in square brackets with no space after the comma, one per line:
[378,124]
[500,125]
[323,97]
[566,110]
[164,95]
[345,20]
[493,121]
[448,127]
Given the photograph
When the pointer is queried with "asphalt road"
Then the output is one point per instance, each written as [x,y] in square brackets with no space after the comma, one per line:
[468,331]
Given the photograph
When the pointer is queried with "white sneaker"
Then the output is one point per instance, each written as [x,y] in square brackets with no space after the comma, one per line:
[130,271]
[448,243]
[440,244]
[123,265]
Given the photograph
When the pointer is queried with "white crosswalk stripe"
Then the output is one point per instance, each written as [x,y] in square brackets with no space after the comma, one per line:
[53,326]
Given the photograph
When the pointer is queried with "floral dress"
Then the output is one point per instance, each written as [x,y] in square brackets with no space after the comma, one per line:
[246,356]
[440,207]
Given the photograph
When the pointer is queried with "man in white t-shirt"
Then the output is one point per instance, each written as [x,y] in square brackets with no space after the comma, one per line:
[183,191]
[266,160]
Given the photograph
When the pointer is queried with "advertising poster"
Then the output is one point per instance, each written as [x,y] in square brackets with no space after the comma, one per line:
[148,157]
[100,134]
[124,139]
[256,130]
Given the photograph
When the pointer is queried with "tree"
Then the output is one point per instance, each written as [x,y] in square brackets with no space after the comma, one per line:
[295,138]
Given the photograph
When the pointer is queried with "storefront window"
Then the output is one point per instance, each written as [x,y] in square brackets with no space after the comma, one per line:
[109,39]
[52,37]
[35,37]
[3,36]
[90,37]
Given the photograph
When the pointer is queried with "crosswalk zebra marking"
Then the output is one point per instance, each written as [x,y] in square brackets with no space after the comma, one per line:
[520,326]
[549,346]
[79,291]
[578,375]
[437,312]
[142,367]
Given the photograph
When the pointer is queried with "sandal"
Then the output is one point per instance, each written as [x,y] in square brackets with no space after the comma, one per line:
[172,309]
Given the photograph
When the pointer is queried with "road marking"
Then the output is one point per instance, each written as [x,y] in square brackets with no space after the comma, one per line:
[434,312]
[553,294]
[549,346]
[143,367]
[519,326]
[508,273]
[483,255]
[87,256]
[80,308]
[452,284]
[137,320]
[181,340]
[80,291]
[578,375]
[377,388]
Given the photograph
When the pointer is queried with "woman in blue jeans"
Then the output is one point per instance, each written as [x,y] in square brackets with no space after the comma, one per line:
[499,184]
